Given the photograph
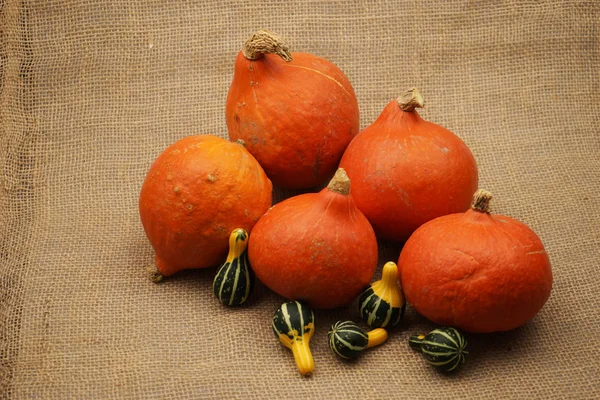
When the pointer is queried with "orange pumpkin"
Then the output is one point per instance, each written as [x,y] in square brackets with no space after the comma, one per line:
[406,171]
[476,271]
[196,192]
[296,112]
[317,248]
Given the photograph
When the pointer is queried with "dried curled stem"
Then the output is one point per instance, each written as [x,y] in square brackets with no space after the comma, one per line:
[481,201]
[410,100]
[340,182]
[263,42]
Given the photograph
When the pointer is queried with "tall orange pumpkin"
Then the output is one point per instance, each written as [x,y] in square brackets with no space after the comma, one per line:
[296,112]
[406,171]
[195,194]
[476,271]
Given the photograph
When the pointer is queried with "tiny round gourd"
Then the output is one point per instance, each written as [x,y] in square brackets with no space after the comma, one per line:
[235,279]
[444,348]
[382,304]
[347,340]
[294,326]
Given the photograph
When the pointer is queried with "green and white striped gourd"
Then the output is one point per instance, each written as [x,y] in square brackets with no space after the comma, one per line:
[444,348]
[235,279]
[294,326]
[382,304]
[347,340]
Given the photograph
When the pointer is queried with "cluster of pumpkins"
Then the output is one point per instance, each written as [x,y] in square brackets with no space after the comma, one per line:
[293,122]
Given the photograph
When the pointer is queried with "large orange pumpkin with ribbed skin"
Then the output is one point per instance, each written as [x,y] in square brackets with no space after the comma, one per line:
[406,171]
[295,111]
[195,194]
[476,271]
[317,247]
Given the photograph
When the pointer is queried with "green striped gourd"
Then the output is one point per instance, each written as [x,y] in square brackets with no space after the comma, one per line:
[294,326]
[444,348]
[235,279]
[382,305]
[347,340]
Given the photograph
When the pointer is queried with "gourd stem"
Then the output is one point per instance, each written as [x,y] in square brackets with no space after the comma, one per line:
[241,143]
[303,357]
[389,274]
[340,182]
[376,337]
[481,201]
[415,342]
[410,100]
[263,42]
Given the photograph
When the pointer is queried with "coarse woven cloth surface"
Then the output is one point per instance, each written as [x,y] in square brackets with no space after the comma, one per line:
[92,91]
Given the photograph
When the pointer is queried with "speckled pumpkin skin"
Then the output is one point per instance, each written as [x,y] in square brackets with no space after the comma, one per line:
[476,272]
[406,171]
[296,117]
[195,194]
[317,248]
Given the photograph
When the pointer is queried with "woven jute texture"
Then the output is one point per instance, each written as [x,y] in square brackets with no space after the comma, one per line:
[92,91]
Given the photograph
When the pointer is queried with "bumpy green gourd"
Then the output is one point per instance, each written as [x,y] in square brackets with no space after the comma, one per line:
[348,340]
[444,348]
[294,326]
[382,305]
[235,279]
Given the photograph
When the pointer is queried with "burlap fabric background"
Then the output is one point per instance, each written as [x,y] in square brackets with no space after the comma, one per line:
[91,91]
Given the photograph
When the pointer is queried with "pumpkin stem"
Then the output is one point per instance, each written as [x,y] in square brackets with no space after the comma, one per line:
[155,275]
[340,182]
[241,143]
[376,337]
[264,41]
[416,341]
[481,201]
[410,100]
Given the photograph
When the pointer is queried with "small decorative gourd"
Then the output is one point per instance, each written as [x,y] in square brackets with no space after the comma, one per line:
[382,304]
[235,279]
[294,326]
[348,340]
[444,348]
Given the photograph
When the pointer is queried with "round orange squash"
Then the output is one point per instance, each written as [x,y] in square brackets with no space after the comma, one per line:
[406,171]
[296,112]
[475,271]
[195,194]
[317,248]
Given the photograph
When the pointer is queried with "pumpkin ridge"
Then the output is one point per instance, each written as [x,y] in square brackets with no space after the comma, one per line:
[323,74]
[257,109]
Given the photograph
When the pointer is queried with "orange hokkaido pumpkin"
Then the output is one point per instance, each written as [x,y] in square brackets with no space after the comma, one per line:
[317,248]
[406,171]
[296,112]
[475,271]
[195,194]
